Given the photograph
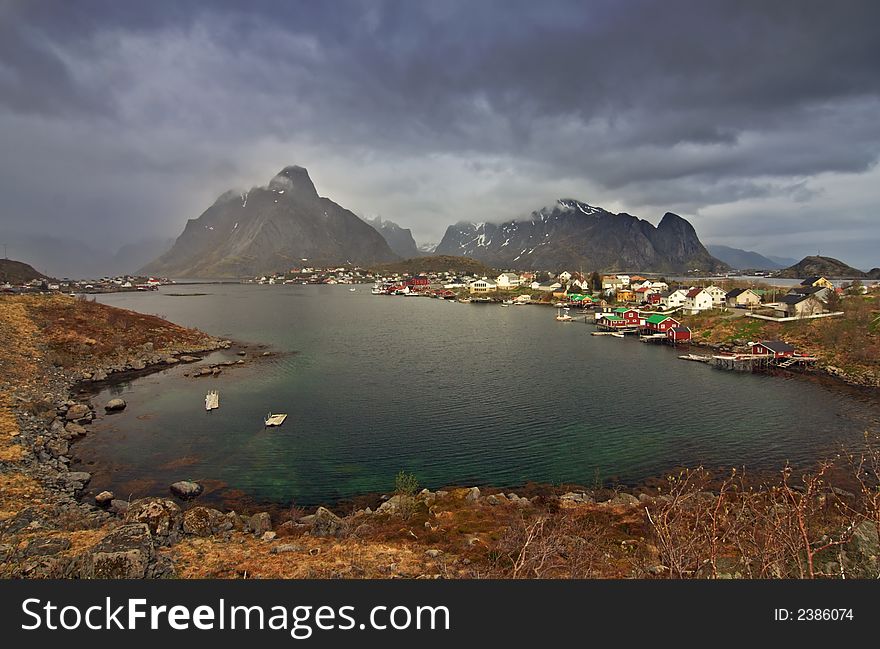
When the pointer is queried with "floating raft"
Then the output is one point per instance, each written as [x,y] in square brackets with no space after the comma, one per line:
[212,400]
[275,420]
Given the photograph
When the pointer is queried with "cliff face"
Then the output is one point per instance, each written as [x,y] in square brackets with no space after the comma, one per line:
[399,239]
[268,229]
[572,234]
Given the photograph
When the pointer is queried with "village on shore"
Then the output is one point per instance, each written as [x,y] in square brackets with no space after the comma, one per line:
[119,284]
[648,307]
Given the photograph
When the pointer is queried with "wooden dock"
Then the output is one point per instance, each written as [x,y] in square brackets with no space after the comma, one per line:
[755,362]
[696,358]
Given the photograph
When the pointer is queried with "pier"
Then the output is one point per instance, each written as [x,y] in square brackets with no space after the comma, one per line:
[755,362]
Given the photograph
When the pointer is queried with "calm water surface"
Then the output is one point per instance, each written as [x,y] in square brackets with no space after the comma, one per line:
[455,393]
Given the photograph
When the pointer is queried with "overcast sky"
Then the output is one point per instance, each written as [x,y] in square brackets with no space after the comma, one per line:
[757,121]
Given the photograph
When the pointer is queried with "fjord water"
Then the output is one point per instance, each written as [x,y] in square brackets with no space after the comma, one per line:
[454,393]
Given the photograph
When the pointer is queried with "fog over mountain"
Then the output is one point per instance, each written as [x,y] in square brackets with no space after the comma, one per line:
[755,121]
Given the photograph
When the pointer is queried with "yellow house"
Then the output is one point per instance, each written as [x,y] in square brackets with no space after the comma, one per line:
[818,281]
[625,295]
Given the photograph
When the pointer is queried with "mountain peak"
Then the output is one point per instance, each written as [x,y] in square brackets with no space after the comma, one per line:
[674,222]
[296,179]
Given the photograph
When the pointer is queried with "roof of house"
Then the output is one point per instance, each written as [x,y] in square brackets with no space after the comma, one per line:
[657,318]
[776,346]
[794,298]
[694,292]
[550,283]
[809,290]
[736,292]
[809,281]
[681,329]
[614,318]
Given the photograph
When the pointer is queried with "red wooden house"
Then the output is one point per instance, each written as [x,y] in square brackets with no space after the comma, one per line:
[631,317]
[659,323]
[678,334]
[773,348]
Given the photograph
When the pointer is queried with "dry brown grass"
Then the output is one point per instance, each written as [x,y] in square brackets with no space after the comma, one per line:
[244,556]
[17,491]
[74,331]
[9,450]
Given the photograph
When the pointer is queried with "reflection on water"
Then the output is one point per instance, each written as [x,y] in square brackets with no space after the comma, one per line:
[455,393]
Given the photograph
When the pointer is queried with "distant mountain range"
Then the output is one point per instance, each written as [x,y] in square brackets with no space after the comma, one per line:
[75,258]
[575,235]
[747,259]
[282,225]
[784,262]
[399,239]
[829,267]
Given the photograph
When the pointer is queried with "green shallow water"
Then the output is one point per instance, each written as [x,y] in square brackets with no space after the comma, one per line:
[455,393]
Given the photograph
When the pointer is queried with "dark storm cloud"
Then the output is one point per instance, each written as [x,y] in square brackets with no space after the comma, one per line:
[128,118]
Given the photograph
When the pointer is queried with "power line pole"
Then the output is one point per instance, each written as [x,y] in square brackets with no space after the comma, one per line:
[5,251]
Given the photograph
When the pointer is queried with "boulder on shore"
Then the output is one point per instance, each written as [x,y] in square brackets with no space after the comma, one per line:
[162,516]
[125,553]
[104,498]
[77,412]
[186,489]
[204,521]
[260,523]
[115,404]
[326,523]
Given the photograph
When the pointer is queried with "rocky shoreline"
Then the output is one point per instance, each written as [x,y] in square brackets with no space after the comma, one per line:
[49,424]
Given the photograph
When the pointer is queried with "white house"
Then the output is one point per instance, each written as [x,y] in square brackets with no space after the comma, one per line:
[564,277]
[719,295]
[698,299]
[582,284]
[674,299]
[624,279]
[507,281]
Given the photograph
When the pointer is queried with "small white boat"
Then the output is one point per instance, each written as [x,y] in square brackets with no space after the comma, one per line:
[617,334]
[212,400]
[352,290]
[562,317]
[275,420]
